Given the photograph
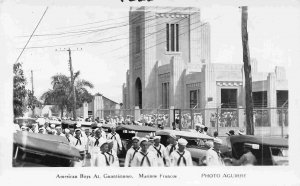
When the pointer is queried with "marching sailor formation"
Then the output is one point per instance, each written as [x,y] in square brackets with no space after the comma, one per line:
[100,150]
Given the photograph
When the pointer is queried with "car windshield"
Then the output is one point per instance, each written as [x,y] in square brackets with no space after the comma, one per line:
[279,155]
[196,143]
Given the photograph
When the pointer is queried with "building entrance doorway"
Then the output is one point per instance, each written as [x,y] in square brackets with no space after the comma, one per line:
[138,93]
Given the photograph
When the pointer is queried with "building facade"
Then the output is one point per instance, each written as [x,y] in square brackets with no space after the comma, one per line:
[170,66]
[101,106]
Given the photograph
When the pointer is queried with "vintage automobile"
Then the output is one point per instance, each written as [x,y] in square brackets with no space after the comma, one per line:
[68,124]
[22,121]
[126,133]
[42,150]
[196,143]
[85,124]
[267,150]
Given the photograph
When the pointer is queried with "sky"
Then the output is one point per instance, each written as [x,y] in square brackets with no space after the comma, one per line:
[273,37]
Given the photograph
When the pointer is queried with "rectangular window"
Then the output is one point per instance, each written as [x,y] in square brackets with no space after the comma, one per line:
[228,98]
[137,40]
[177,37]
[193,98]
[165,95]
[168,37]
[172,37]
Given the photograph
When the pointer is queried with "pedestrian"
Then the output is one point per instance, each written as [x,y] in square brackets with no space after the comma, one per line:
[198,128]
[211,156]
[34,128]
[59,131]
[181,157]
[132,151]
[216,138]
[80,143]
[230,133]
[145,157]
[99,127]
[42,130]
[116,139]
[94,144]
[160,151]
[113,158]
[52,129]
[173,146]
[69,137]
[205,130]
[102,159]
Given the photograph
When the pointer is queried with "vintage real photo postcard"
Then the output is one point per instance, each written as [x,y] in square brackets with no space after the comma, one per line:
[150,91]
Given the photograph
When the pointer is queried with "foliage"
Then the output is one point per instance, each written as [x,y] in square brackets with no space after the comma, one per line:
[19,91]
[32,101]
[61,92]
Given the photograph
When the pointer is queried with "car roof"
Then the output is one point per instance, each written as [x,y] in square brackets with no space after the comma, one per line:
[54,122]
[136,128]
[186,134]
[68,122]
[85,123]
[47,143]
[272,141]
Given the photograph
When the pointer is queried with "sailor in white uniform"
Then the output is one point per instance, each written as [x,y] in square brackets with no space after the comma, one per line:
[181,157]
[160,151]
[145,157]
[116,139]
[113,158]
[173,146]
[94,144]
[132,151]
[80,143]
[102,159]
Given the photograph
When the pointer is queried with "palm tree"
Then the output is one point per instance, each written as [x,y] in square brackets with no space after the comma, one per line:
[61,92]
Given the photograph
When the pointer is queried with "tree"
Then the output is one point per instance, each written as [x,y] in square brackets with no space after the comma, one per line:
[61,92]
[32,101]
[19,91]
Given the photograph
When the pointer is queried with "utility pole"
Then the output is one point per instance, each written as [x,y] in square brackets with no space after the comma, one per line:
[32,91]
[72,80]
[248,76]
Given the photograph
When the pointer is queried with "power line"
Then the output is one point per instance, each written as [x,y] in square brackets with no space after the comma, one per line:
[125,23]
[31,35]
[96,41]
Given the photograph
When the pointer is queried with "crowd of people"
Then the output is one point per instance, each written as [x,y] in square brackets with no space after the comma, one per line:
[98,148]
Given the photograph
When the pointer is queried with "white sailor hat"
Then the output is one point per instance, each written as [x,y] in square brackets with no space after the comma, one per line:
[173,136]
[58,127]
[77,130]
[201,126]
[52,126]
[157,137]
[182,141]
[143,139]
[99,125]
[242,132]
[67,131]
[209,143]
[78,125]
[88,129]
[113,126]
[135,138]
